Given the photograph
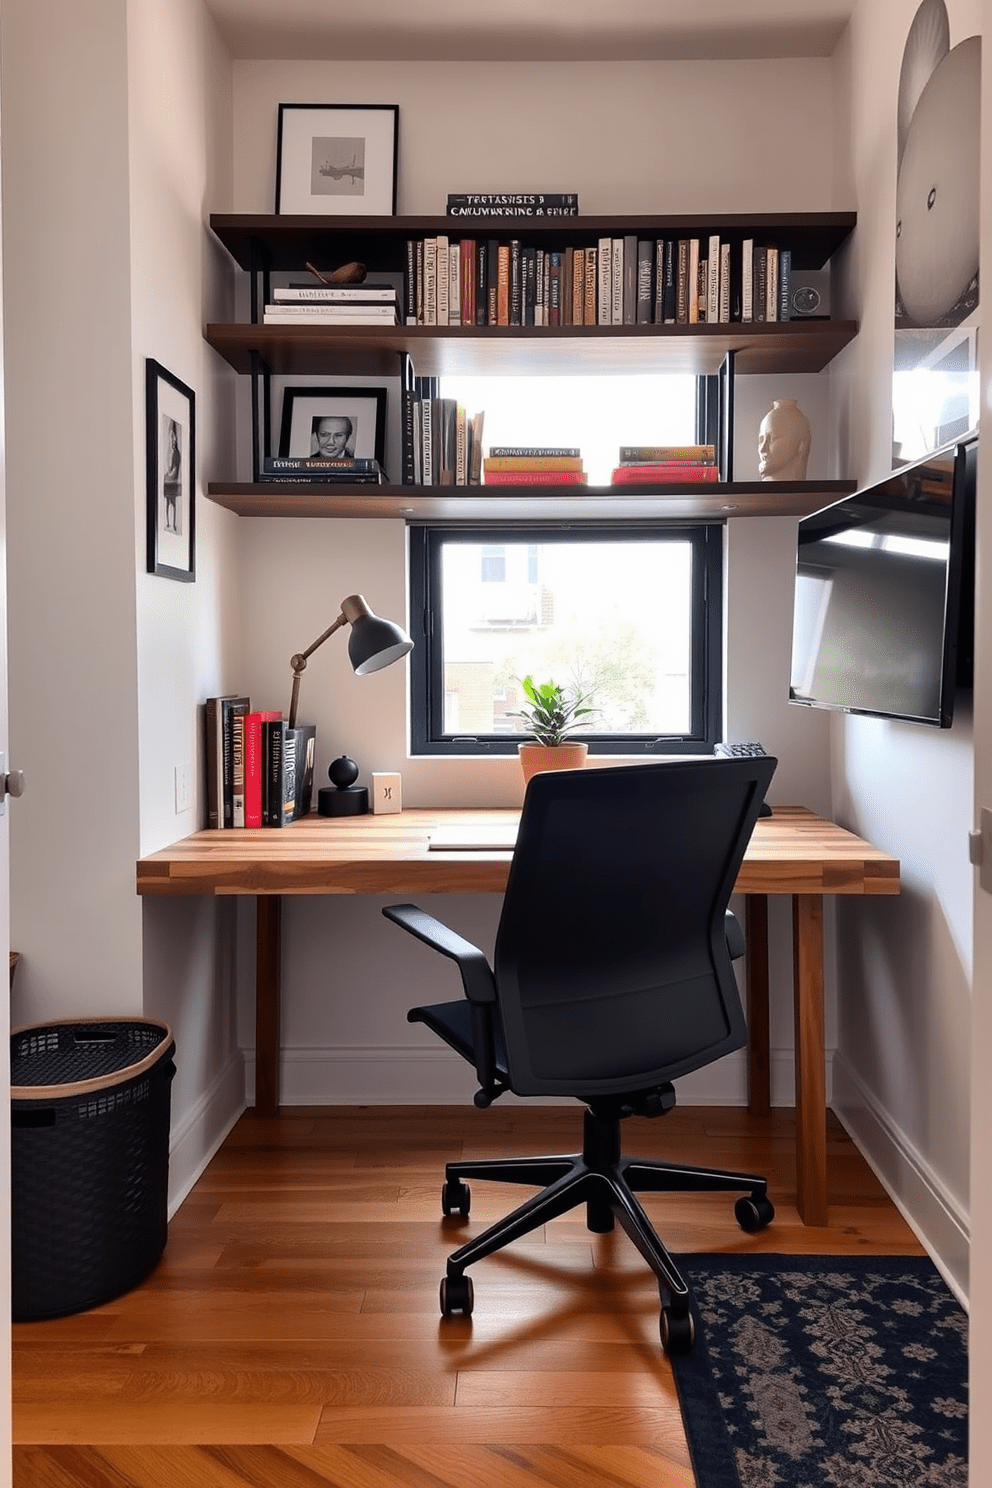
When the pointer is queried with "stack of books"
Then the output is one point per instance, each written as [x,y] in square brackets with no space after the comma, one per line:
[312,470]
[259,771]
[332,304]
[666,464]
[533,465]
[513,204]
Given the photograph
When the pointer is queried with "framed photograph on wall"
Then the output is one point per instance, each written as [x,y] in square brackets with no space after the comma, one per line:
[333,423]
[337,159]
[170,455]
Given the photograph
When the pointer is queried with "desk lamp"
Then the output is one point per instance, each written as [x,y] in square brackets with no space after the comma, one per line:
[374,643]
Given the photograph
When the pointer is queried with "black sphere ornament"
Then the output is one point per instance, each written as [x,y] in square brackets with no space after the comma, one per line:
[342,772]
[343,797]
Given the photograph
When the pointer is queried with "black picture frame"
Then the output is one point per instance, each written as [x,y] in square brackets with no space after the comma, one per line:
[170,474]
[337,159]
[365,407]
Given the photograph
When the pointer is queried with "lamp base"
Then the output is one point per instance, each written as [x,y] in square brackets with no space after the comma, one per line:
[347,800]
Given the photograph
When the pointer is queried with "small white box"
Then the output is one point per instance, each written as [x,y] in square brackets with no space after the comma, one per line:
[387,793]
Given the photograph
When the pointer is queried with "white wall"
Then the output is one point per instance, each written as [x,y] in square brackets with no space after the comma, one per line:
[904,978]
[189,639]
[70,508]
[706,134]
[117,141]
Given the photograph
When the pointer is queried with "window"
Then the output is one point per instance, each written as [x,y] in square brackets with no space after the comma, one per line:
[630,615]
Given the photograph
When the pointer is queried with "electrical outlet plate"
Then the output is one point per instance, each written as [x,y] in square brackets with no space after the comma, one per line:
[184,788]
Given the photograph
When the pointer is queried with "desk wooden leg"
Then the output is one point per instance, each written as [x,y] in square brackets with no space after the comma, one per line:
[811,1086]
[268,957]
[759,1097]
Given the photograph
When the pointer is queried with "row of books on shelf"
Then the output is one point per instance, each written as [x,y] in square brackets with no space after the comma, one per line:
[616,281]
[368,303]
[259,770]
[666,464]
[442,442]
[445,449]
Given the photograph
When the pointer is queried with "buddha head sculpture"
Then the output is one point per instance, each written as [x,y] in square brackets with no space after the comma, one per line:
[783,442]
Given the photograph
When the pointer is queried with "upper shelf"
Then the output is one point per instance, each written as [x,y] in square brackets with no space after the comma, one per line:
[533,504]
[786,346]
[287,243]
[263,243]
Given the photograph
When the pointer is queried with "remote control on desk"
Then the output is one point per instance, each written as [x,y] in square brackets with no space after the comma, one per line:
[740,751]
[746,750]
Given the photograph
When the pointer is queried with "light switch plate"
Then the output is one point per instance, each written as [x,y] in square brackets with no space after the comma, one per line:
[387,793]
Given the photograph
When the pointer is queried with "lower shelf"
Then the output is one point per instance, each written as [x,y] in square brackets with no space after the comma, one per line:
[531,504]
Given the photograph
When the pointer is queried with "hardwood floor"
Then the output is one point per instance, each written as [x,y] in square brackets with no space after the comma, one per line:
[290,1336]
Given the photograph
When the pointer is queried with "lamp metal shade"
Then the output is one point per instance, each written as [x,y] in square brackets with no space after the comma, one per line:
[374,643]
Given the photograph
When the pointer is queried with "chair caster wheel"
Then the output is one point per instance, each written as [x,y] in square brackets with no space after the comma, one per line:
[457,1295]
[456,1198]
[678,1331]
[754,1214]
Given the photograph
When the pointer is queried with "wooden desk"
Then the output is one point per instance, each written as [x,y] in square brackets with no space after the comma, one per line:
[793,852]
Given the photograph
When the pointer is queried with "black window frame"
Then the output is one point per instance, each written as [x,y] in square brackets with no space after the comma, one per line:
[426,662]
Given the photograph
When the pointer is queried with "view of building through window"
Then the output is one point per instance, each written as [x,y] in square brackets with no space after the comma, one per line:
[611,618]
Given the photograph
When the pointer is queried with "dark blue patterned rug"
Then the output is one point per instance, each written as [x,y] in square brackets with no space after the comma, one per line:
[824,1372]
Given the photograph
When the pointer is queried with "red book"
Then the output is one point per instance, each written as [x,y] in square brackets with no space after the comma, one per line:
[670,474]
[254,765]
[535,478]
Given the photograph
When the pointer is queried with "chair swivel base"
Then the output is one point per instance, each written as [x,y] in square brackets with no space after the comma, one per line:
[606,1182]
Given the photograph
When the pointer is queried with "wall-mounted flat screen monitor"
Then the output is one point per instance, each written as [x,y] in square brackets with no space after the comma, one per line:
[884,601]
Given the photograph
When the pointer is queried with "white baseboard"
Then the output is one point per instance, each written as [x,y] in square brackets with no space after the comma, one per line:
[938,1220]
[198,1132]
[402,1076]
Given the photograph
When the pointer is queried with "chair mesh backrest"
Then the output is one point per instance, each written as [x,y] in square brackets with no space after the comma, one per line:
[611,961]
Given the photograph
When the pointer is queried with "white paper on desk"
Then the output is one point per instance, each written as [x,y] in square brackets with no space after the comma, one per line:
[474,837]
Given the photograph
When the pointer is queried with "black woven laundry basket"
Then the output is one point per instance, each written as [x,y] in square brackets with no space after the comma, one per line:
[90,1104]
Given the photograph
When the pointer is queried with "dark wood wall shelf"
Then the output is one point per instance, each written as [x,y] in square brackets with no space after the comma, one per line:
[790,346]
[533,504]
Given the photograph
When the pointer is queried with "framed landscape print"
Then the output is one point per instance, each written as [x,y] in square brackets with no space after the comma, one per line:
[336,159]
[170,454]
[334,423]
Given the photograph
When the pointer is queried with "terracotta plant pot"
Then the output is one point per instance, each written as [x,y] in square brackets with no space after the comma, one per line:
[534,757]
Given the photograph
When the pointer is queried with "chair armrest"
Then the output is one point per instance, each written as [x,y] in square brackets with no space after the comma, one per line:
[735,936]
[477,977]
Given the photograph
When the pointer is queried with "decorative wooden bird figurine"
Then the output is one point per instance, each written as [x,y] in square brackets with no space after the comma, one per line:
[351,273]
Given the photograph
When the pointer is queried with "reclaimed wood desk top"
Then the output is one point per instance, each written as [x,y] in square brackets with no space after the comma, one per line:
[792,852]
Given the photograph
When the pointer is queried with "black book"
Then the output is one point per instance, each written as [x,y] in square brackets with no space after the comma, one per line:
[288,771]
[670,281]
[410,283]
[519,199]
[516,283]
[407,466]
[529,276]
[231,707]
[645,283]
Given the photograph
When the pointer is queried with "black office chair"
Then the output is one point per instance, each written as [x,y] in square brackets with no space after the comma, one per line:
[612,976]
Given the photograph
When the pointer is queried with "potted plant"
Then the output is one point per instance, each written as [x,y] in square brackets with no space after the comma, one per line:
[551,714]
